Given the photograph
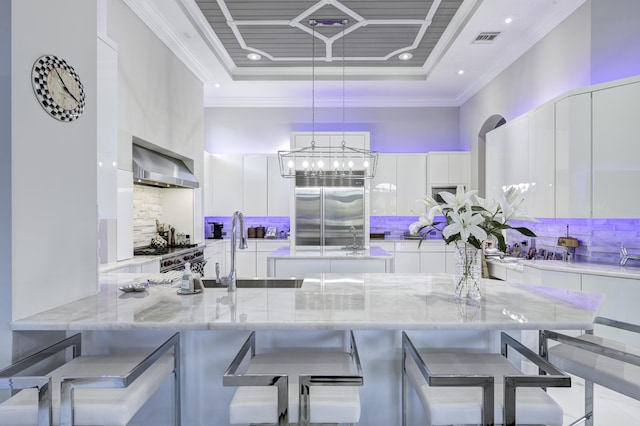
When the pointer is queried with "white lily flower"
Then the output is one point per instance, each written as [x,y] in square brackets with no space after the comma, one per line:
[425,220]
[469,216]
[510,204]
[429,202]
[461,199]
[491,206]
[466,224]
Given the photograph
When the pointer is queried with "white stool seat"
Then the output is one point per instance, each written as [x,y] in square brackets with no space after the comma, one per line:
[463,405]
[329,404]
[92,406]
[608,372]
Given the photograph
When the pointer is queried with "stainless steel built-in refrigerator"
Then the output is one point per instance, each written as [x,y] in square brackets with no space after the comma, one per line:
[325,214]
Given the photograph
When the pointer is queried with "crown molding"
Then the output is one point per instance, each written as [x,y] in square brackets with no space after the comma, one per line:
[379,102]
[148,13]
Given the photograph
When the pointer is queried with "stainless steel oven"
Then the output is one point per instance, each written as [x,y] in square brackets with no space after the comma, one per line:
[175,262]
[436,190]
[174,258]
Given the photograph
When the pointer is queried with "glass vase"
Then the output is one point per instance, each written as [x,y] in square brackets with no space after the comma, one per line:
[468,271]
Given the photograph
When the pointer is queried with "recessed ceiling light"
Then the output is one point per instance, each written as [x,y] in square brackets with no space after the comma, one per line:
[217,85]
[460,72]
[405,56]
[508,20]
[254,57]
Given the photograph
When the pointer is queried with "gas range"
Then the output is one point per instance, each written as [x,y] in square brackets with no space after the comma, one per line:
[174,257]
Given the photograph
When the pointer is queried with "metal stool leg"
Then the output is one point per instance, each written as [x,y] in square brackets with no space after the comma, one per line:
[588,402]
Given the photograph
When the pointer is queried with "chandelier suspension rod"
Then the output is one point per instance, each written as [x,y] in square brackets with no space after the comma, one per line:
[313,87]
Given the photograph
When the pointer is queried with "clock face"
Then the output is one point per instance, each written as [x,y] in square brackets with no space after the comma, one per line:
[58,88]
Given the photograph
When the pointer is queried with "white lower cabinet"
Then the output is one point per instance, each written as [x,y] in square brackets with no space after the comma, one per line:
[252,261]
[263,248]
[430,257]
[245,260]
[215,253]
[434,262]
[299,268]
[407,261]
[556,279]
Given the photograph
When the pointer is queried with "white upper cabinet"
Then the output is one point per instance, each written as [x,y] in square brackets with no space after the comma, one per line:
[278,189]
[616,152]
[302,140]
[573,156]
[226,184]
[411,170]
[249,183]
[384,187]
[541,192]
[516,164]
[398,184]
[507,160]
[447,169]
[254,185]
[495,158]
[353,139]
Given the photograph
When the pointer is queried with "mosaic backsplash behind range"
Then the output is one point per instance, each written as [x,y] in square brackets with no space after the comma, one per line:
[600,239]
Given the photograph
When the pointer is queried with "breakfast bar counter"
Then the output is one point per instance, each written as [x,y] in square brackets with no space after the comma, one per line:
[214,324]
[366,301]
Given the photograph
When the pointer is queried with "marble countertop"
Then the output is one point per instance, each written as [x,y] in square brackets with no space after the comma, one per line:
[326,302]
[325,252]
[608,270]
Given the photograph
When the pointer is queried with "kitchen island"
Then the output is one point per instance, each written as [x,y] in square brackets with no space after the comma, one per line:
[378,307]
[300,261]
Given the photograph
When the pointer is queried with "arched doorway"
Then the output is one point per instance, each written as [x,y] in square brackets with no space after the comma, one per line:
[491,123]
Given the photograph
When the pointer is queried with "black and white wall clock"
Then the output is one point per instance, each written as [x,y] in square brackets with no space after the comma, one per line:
[58,88]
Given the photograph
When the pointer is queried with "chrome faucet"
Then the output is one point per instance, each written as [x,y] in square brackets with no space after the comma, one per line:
[624,256]
[231,279]
[353,230]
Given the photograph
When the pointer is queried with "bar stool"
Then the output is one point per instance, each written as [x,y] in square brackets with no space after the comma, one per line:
[445,382]
[87,390]
[598,360]
[314,387]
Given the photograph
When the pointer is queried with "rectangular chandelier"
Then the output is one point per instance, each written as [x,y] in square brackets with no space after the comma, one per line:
[342,162]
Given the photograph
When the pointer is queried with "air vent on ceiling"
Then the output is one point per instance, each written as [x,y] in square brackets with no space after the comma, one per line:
[486,37]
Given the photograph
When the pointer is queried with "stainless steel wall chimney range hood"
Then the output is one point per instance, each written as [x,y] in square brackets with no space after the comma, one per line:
[156,169]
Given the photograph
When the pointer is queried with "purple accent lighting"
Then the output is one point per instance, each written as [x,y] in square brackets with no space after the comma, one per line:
[599,239]
[280,222]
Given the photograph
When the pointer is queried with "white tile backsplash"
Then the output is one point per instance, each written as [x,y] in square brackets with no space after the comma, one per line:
[599,239]
[147,207]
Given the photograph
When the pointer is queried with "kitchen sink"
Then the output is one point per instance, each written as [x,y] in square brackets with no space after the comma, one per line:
[257,283]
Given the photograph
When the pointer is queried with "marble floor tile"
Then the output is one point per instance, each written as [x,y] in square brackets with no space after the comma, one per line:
[610,408]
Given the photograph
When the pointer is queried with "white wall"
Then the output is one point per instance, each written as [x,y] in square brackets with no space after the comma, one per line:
[556,64]
[596,44]
[5,178]
[615,51]
[159,99]
[266,130]
[53,164]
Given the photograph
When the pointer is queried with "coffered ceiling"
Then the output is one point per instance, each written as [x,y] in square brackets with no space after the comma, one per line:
[455,47]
